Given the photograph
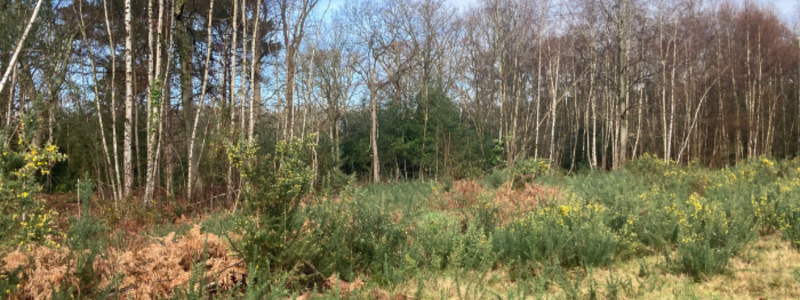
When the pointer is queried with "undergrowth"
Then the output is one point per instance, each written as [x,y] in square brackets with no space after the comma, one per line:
[541,230]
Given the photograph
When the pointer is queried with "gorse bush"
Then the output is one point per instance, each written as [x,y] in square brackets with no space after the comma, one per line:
[525,170]
[370,233]
[274,185]
[336,182]
[86,240]
[699,218]
[23,219]
[273,189]
[792,232]
[87,231]
[294,242]
[647,165]
[436,236]
[567,235]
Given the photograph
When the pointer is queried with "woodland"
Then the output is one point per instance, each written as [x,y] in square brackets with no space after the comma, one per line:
[399,149]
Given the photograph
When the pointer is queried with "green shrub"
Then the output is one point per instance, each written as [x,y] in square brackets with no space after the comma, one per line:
[700,260]
[336,182]
[86,240]
[23,219]
[647,165]
[496,178]
[373,232]
[273,186]
[525,170]
[9,282]
[567,235]
[474,249]
[708,234]
[792,232]
[435,237]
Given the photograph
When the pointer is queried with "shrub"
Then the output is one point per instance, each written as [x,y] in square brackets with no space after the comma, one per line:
[273,186]
[525,170]
[336,182]
[85,239]
[699,259]
[435,236]
[792,232]
[271,229]
[473,249]
[646,165]
[496,178]
[567,235]
[708,233]
[23,219]
[372,232]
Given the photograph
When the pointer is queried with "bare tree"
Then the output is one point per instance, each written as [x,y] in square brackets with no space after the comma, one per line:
[293,16]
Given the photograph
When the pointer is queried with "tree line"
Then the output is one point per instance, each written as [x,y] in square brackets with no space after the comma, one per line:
[150,96]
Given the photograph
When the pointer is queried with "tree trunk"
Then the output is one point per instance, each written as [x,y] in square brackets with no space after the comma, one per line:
[185,52]
[154,103]
[232,101]
[112,86]
[128,139]
[373,135]
[106,153]
[192,161]
[20,43]
[254,80]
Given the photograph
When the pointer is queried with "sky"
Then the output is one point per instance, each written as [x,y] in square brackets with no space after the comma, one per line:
[786,8]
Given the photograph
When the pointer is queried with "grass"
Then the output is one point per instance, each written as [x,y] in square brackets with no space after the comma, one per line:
[649,231]
[772,272]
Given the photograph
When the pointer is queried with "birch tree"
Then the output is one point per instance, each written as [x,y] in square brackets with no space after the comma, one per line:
[20,43]
[293,17]
[129,118]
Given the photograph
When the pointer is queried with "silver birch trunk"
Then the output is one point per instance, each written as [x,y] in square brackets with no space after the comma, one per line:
[106,154]
[114,139]
[129,118]
[192,164]
[155,96]
[18,48]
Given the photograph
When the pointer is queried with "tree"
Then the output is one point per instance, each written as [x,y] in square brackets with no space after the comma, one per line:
[128,139]
[18,48]
[293,16]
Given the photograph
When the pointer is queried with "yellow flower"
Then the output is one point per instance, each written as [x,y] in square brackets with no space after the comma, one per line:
[564,210]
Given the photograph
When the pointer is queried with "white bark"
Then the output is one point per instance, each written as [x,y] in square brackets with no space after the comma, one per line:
[18,48]
[114,139]
[243,100]
[192,165]
[114,186]
[128,139]
[153,107]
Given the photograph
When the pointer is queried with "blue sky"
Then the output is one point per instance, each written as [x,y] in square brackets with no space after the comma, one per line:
[787,8]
